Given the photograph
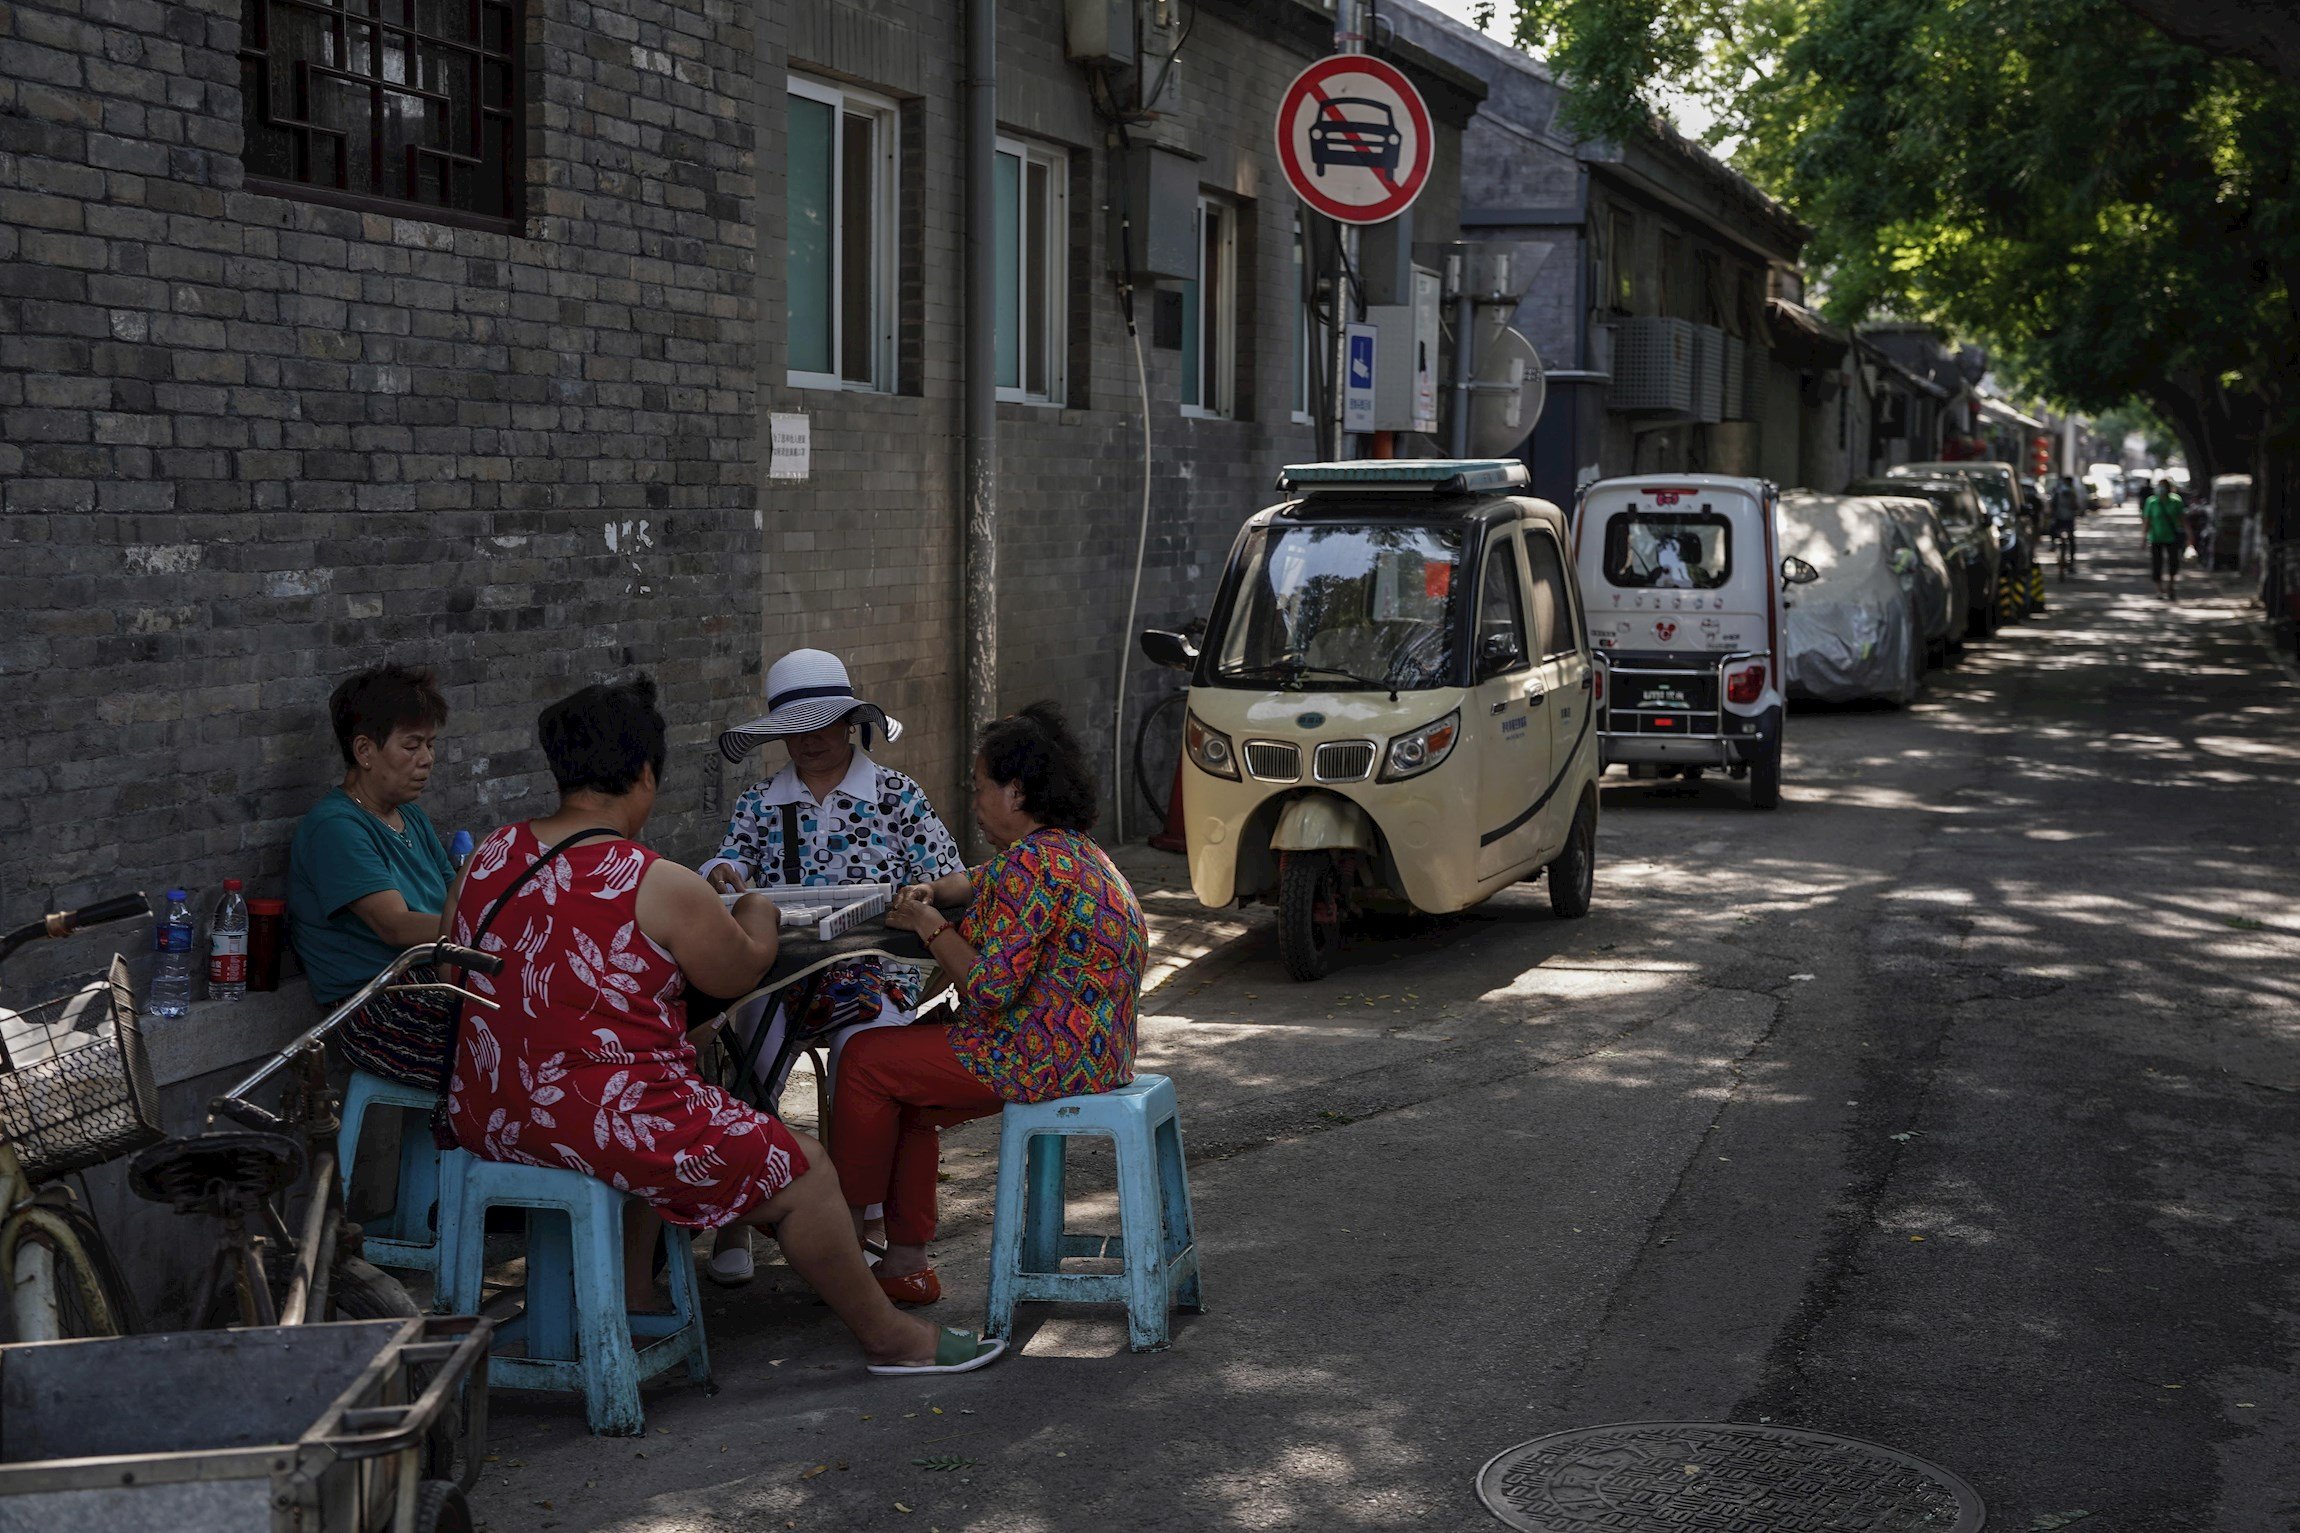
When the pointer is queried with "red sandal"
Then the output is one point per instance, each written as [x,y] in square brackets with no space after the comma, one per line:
[920,1287]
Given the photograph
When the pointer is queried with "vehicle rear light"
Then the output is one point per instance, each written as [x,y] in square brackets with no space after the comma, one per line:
[1597,681]
[1745,685]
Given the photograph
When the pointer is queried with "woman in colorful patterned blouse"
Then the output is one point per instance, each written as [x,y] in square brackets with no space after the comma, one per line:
[1048,960]
[585,1064]
[833,816]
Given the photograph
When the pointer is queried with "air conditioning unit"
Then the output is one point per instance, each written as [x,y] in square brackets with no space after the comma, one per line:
[1653,366]
[1736,378]
[1708,374]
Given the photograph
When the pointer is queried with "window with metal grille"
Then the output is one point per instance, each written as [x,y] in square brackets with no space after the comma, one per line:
[387,105]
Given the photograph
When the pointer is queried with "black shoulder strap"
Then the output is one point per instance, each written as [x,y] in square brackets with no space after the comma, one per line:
[793,874]
[441,1133]
[533,868]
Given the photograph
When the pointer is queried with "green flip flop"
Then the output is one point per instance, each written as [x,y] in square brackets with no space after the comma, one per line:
[955,1351]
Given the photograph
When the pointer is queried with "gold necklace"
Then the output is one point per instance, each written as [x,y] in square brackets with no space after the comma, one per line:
[397,830]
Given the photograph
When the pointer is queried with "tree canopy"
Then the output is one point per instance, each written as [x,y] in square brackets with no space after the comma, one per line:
[2110,207]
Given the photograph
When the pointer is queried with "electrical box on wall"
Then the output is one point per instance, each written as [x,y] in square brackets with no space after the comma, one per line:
[1158,77]
[1156,192]
[1099,32]
[1406,353]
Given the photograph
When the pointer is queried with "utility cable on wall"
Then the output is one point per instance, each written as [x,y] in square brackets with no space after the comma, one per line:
[1125,283]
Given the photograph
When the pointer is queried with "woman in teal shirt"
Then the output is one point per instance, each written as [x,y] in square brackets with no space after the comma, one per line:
[367,877]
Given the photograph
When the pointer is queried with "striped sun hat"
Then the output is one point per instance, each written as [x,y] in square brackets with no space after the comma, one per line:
[806,689]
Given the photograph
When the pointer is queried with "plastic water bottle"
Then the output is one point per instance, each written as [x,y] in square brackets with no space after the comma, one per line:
[172,963]
[228,946]
[459,849]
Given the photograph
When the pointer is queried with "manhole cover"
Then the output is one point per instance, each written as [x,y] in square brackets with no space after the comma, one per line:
[1720,1477]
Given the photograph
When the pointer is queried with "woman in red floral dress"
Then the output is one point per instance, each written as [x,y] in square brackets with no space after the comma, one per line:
[585,1065]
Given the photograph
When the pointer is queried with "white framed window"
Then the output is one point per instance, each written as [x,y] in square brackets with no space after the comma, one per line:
[1309,335]
[840,264]
[1033,188]
[1210,312]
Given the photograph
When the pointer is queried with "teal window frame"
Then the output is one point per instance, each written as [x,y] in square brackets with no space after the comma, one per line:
[842,163]
[1032,187]
[1210,313]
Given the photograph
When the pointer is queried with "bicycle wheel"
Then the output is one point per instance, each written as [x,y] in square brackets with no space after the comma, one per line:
[360,1290]
[92,1297]
[1162,719]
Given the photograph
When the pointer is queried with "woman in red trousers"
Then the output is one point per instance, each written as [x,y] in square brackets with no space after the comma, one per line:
[1048,961]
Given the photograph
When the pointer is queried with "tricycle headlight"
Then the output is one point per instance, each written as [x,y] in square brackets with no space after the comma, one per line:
[1413,754]
[1209,749]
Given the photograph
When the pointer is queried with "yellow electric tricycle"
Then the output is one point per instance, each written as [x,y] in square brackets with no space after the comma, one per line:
[1392,710]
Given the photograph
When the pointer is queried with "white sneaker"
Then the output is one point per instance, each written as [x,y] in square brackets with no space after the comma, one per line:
[730,1268]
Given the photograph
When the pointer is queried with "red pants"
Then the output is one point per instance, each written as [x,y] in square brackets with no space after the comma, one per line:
[898,1088]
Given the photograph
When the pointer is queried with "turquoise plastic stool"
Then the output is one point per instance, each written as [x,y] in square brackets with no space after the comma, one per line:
[408,1236]
[1157,1240]
[576,1333]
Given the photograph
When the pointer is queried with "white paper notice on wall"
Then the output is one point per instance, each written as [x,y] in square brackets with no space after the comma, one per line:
[790,447]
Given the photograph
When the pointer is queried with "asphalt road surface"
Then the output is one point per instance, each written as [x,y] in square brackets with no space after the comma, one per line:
[1954,1106]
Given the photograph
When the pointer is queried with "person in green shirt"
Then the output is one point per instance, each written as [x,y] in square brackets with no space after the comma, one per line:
[2167,522]
[367,876]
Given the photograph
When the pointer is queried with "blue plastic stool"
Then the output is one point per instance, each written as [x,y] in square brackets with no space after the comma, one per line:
[408,1236]
[577,1334]
[1156,1240]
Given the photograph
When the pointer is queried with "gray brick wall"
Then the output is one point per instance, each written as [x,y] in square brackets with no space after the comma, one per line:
[249,444]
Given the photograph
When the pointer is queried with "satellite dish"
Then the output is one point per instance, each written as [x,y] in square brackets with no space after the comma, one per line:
[1507,390]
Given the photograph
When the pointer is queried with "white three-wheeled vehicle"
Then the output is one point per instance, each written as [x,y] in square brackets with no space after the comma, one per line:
[1685,586]
[1392,710]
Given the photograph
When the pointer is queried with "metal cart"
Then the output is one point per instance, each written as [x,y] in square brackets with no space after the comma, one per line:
[278,1429]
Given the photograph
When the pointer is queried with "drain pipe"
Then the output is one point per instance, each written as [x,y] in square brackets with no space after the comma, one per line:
[981,420]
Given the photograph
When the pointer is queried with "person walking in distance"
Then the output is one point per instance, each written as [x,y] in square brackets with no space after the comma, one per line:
[2167,526]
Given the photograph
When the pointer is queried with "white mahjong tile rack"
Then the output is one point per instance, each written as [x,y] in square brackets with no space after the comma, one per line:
[831,909]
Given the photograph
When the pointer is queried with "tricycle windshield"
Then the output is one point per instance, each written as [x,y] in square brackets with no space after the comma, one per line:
[1668,550]
[1370,604]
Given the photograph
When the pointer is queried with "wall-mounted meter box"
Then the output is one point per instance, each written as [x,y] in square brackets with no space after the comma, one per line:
[1157,189]
[1099,32]
[1406,351]
[1158,80]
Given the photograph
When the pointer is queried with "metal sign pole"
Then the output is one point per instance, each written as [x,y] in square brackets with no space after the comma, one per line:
[1349,37]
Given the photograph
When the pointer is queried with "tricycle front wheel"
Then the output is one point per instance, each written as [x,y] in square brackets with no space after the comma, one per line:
[440,1508]
[1309,914]
[1573,876]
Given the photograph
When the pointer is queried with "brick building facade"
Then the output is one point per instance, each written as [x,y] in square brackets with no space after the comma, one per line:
[1621,236]
[252,441]
[863,556]
[255,434]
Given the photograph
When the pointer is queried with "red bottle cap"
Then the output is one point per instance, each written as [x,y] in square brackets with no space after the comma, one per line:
[231,885]
[260,907]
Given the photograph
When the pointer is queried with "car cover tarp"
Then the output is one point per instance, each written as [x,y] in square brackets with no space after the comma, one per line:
[1852,633]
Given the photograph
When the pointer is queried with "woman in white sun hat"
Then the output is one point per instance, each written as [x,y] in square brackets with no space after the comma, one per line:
[831,816]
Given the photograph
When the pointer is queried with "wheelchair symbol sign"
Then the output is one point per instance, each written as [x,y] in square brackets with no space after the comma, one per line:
[1358,380]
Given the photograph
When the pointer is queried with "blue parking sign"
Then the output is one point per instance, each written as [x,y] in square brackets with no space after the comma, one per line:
[1358,381]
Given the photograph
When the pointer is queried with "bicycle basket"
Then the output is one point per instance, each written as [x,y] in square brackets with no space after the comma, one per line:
[77,1087]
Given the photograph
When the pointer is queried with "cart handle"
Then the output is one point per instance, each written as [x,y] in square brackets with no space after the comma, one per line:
[375,1430]
[233,1103]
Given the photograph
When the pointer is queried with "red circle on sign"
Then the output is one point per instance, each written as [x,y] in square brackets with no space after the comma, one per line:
[1405,176]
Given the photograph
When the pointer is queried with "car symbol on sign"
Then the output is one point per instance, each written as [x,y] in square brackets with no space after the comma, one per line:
[1355,130]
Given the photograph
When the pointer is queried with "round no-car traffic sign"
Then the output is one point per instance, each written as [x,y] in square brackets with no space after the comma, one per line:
[1354,139]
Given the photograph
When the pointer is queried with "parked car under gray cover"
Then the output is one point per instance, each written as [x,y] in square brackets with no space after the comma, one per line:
[1854,633]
